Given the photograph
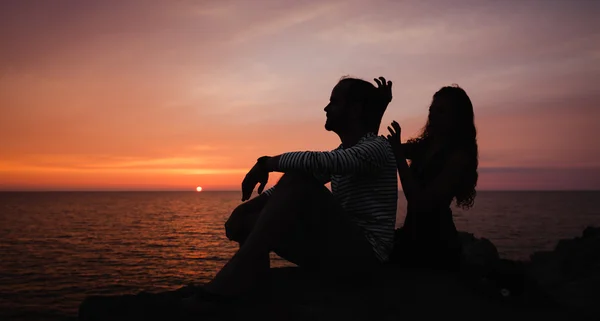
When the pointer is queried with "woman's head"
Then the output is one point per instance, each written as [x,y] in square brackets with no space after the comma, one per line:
[451,114]
[451,121]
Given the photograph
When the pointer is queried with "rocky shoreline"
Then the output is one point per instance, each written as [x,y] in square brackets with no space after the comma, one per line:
[553,285]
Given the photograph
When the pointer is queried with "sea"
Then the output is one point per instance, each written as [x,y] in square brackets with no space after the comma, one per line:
[56,248]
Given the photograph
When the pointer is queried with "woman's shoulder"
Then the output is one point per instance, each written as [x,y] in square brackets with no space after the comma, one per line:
[458,159]
[458,155]
[441,157]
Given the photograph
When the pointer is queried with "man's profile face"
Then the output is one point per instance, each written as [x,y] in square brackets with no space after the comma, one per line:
[338,111]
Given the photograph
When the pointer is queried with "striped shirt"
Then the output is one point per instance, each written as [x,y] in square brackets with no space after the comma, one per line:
[363,181]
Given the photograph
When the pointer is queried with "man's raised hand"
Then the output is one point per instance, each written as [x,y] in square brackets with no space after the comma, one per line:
[384,89]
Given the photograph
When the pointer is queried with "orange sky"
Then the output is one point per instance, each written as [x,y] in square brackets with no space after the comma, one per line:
[157,95]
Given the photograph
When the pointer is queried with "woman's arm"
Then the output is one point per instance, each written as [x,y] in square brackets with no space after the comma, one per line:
[409,149]
[440,190]
[407,180]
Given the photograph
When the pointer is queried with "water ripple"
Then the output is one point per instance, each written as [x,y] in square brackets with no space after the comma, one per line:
[58,248]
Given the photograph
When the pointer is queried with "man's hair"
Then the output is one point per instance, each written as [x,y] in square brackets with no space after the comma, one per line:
[364,92]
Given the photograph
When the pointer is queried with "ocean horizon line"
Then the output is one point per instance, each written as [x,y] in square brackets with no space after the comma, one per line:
[237,191]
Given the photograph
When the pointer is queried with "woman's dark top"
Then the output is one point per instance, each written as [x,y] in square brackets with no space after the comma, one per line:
[428,238]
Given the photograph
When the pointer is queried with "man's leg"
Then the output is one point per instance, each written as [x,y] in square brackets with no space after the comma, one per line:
[287,201]
[324,240]
[242,221]
[295,195]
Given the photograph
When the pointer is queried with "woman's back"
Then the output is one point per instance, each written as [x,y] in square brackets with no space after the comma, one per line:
[428,237]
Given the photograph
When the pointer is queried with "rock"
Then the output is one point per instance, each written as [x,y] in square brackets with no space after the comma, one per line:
[143,306]
[483,268]
[479,252]
[392,294]
[570,273]
[555,285]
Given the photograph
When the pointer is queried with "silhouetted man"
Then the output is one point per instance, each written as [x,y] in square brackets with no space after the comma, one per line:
[350,229]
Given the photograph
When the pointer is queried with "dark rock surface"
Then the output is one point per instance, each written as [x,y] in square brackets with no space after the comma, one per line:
[570,274]
[557,285]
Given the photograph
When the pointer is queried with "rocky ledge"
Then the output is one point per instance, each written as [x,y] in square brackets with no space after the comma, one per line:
[554,285]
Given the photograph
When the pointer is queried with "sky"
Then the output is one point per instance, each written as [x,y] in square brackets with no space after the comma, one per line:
[170,95]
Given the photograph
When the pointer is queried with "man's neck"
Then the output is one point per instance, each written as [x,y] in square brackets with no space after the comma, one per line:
[351,138]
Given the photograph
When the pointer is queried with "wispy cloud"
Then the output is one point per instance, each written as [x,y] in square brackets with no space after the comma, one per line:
[109,162]
[166,88]
[82,164]
[278,17]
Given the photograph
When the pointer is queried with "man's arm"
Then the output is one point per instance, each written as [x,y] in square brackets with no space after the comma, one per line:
[362,158]
[322,178]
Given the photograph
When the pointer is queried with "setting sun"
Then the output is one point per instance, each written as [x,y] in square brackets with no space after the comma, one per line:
[198,189]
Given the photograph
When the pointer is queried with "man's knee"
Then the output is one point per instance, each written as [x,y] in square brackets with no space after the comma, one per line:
[300,181]
[297,177]
[242,219]
[235,227]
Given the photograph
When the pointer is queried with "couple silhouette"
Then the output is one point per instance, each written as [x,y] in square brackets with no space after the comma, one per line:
[350,230]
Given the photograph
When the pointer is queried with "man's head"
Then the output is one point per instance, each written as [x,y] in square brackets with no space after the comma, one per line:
[354,105]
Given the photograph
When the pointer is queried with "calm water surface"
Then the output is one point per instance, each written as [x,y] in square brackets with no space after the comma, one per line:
[59,247]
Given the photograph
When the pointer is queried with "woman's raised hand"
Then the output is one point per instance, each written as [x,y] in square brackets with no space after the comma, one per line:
[394,137]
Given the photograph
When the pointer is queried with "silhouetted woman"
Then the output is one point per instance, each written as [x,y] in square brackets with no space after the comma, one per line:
[443,169]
